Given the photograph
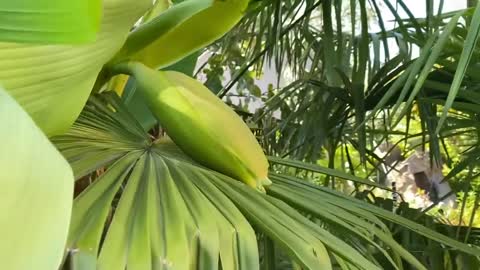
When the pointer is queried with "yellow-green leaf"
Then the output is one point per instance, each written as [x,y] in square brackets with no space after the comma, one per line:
[167,38]
[36,195]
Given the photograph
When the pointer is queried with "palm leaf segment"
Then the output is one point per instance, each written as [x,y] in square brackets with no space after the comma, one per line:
[154,208]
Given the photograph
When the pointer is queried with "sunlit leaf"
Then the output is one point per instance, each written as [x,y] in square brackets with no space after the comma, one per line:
[36,196]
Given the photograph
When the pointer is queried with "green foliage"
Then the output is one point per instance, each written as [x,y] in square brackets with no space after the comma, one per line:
[187,192]
[142,203]
[106,135]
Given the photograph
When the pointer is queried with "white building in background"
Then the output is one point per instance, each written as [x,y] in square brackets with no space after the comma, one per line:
[419,182]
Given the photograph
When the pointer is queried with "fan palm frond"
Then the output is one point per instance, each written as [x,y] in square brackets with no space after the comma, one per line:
[154,207]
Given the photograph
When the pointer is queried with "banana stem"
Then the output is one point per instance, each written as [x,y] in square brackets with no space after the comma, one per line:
[128,68]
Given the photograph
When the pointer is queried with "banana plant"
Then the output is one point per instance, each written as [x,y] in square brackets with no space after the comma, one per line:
[152,203]
[51,56]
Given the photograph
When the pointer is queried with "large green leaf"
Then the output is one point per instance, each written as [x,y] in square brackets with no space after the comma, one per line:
[52,82]
[47,21]
[36,197]
[181,30]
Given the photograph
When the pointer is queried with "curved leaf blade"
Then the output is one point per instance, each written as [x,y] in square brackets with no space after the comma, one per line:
[463,62]
[181,30]
[36,197]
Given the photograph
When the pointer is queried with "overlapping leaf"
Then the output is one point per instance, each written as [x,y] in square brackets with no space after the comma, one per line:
[36,196]
[53,82]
